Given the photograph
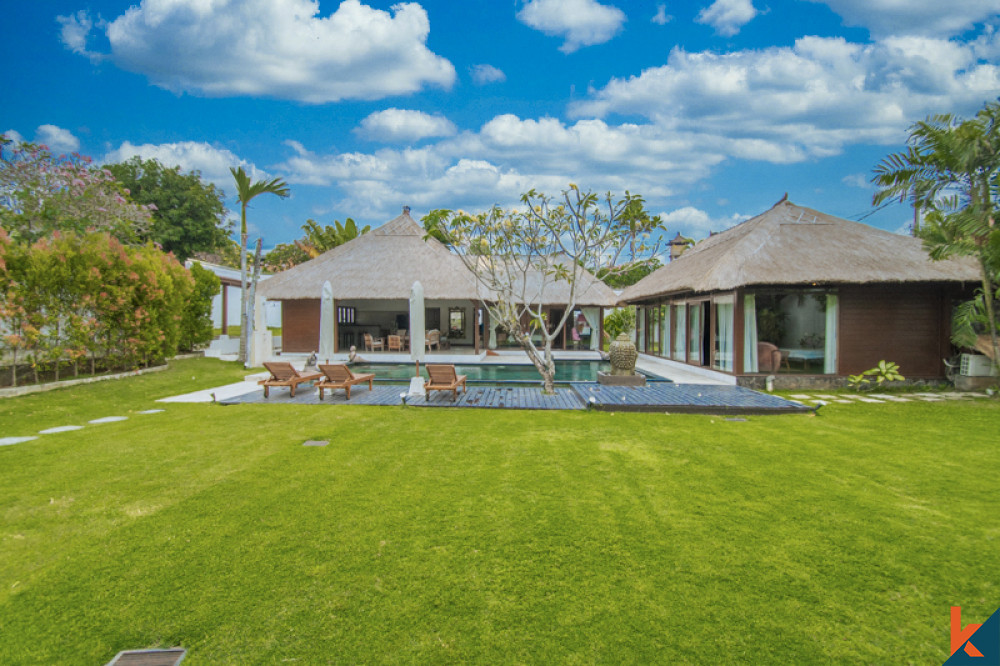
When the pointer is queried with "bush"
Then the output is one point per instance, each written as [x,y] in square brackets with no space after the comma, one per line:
[70,296]
[196,325]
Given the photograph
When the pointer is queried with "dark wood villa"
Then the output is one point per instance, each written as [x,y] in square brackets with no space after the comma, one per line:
[371,277]
[804,296]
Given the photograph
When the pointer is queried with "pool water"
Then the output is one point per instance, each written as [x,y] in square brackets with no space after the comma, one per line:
[566,371]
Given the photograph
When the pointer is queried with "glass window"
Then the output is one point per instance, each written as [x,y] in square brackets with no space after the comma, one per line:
[792,331]
[694,333]
[680,331]
[723,333]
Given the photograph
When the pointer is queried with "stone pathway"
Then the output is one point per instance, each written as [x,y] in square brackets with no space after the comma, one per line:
[9,441]
[882,398]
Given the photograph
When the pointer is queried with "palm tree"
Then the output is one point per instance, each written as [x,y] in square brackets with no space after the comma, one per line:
[245,192]
[951,173]
[320,239]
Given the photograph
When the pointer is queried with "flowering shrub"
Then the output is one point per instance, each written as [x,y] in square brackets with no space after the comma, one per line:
[73,296]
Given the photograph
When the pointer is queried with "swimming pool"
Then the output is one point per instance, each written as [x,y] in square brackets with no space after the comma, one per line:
[495,373]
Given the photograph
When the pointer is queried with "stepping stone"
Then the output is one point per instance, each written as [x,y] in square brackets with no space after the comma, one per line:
[315,442]
[7,441]
[890,398]
[929,398]
[826,397]
[801,396]
[50,431]
[842,402]
[109,419]
[150,411]
[864,399]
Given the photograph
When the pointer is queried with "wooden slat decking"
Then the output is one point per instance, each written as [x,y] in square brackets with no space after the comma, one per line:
[685,399]
[654,397]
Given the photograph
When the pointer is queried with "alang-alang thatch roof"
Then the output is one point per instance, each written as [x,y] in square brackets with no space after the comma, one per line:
[384,263]
[794,245]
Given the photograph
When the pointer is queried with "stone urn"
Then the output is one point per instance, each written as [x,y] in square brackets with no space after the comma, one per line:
[622,354]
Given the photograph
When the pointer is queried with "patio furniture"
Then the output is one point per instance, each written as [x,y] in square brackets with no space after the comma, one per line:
[371,344]
[433,338]
[769,357]
[804,355]
[339,376]
[283,374]
[395,343]
[443,378]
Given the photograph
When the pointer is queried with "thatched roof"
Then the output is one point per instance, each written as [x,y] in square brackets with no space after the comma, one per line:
[794,245]
[384,263]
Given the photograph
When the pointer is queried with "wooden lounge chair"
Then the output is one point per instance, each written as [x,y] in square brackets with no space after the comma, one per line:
[339,376]
[443,378]
[395,343]
[371,344]
[283,374]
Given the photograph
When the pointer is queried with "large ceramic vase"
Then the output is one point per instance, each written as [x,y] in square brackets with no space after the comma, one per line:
[622,354]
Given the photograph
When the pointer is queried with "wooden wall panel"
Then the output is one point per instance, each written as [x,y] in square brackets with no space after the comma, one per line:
[895,323]
[300,325]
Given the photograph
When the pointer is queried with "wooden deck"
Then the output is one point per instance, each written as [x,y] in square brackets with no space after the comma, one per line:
[662,397]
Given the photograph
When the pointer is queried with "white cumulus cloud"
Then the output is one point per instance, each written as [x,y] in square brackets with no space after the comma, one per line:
[483,74]
[272,48]
[580,22]
[695,223]
[59,140]
[786,104]
[727,16]
[661,17]
[915,17]
[212,162]
[404,125]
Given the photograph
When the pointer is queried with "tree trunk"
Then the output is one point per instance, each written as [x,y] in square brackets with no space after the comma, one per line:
[13,369]
[990,316]
[242,356]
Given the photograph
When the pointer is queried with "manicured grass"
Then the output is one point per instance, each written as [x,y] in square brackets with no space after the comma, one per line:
[435,535]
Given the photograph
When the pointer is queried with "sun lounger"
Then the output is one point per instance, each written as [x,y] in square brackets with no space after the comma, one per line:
[443,378]
[339,376]
[283,374]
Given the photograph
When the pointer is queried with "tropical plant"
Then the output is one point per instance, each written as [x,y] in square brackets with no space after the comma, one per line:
[620,321]
[950,172]
[885,371]
[246,191]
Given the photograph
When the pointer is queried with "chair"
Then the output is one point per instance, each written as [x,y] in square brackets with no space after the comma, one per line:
[769,357]
[395,343]
[433,338]
[443,378]
[371,344]
[339,376]
[283,374]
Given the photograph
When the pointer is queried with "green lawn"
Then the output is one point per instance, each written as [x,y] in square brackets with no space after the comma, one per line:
[436,535]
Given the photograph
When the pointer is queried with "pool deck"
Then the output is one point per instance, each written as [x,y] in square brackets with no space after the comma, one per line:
[661,398]
[690,390]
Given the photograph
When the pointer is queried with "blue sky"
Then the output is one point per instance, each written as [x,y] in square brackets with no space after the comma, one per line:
[710,110]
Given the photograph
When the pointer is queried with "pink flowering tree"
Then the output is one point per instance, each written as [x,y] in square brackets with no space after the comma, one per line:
[41,192]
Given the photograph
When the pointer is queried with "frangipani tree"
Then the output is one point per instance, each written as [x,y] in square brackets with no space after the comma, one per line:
[950,173]
[246,191]
[520,256]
